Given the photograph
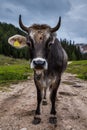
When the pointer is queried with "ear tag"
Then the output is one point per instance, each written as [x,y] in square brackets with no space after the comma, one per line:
[17,44]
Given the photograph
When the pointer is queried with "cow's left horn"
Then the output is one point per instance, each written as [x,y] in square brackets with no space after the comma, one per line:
[57,26]
[21,24]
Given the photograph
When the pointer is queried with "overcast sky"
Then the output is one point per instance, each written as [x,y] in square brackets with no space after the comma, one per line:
[73,13]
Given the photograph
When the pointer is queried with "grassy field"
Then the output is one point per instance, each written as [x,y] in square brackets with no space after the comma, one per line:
[13,70]
[79,68]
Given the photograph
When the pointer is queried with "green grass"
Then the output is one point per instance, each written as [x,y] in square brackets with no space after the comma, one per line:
[79,68]
[13,71]
[10,61]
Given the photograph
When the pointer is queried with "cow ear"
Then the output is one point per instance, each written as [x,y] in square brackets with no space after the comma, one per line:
[17,41]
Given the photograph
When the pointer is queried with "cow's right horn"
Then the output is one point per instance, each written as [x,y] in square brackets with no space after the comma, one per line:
[22,25]
[57,26]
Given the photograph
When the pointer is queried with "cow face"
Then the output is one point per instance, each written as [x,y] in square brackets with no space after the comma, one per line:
[39,39]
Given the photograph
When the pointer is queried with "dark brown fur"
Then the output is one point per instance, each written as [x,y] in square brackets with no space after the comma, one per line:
[48,56]
[40,27]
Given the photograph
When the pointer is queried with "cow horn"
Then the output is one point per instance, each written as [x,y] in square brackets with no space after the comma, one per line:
[21,24]
[57,26]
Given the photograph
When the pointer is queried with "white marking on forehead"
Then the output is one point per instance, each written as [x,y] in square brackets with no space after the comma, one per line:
[47,35]
[32,34]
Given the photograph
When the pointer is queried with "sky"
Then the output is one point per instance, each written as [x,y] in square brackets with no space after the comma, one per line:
[73,15]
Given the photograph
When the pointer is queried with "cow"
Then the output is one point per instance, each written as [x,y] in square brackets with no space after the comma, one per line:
[48,60]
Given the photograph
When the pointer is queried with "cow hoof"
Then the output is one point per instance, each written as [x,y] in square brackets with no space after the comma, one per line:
[53,120]
[44,102]
[36,120]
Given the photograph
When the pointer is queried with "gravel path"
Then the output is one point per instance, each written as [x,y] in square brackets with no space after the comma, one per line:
[17,106]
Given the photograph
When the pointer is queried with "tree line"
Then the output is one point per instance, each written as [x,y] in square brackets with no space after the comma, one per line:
[73,52]
[8,30]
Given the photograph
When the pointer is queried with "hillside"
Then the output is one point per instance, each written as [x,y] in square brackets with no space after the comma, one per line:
[12,71]
[79,68]
[83,47]
[7,30]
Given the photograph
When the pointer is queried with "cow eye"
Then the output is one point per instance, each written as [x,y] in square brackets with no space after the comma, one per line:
[50,44]
[29,43]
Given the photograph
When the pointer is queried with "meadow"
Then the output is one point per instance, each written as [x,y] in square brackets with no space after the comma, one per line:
[15,70]
[79,68]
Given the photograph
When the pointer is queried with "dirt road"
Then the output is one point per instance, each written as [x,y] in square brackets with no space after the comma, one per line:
[17,106]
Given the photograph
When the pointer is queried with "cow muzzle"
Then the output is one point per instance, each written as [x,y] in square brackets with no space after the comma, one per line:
[39,63]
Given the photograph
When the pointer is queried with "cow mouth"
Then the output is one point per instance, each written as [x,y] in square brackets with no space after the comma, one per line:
[38,73]
[39,65]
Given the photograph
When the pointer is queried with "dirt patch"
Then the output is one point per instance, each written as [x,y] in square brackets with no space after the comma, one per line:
[67,93]
[77,86]
[17,107]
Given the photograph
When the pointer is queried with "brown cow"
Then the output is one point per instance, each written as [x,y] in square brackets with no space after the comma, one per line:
[48,60]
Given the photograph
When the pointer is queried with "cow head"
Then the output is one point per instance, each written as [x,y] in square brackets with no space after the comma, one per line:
[39,39]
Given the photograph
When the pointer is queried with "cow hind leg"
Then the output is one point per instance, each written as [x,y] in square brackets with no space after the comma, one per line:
[44,97]
[37,118]
[53,118]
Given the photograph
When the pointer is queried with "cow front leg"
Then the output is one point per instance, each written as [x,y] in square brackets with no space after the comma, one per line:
[37,118]
[53,118]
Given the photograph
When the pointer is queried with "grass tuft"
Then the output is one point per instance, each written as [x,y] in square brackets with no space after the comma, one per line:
[79,68]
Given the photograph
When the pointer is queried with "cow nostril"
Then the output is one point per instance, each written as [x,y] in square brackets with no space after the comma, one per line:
[39,63]
[40,38]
